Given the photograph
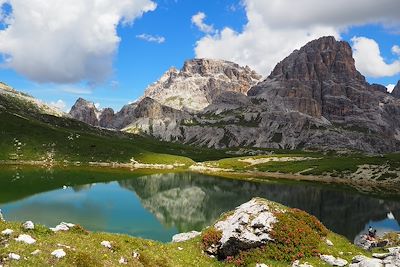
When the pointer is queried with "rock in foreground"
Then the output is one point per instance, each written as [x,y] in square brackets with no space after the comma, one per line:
[280,232]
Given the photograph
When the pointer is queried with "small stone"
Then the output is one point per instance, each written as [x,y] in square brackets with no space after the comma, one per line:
[28,225]
[59,253]
[331,260]
[65,187]
[106,244]
[184,236]
[13,256]
[381,255]
[26,239]
[122,260]
[36,252]
[179,248]
[135,255]
[7,232]
[329,243]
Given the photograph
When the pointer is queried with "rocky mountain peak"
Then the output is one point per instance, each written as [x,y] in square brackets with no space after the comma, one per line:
[199,82]
[396,90]
[319,60]
[85,111]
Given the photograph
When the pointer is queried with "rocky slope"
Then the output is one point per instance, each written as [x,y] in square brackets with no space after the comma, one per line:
[314,99]
[15,101]
[199,82]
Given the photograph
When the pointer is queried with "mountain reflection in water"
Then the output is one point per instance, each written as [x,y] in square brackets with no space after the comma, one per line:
[190,201]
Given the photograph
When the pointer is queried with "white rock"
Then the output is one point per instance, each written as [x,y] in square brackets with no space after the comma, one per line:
[36,252]
[26,239]
[329,243]
[122,260]
[28,225]
[59,253]
[1,216]
[179,248]
[331,260]
[65,187]
[240,228]
[13,256]
[184,236]
[297,264]
[106,244]
[135,255]
[7,232]
[62,227]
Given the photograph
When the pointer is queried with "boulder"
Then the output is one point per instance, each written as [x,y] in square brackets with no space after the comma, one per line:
[333,261]
[59,253]
[7,232]
[185,236]
[28,225]
[248,227]
[25,239]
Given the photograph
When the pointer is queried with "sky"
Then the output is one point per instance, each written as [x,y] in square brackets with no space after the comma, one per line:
[109,51]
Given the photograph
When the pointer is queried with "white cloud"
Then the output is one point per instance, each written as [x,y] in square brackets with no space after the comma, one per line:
[75,90]
[198,20]
[369,61]
[151,38]
[390,87]
[276,27]
[396,50]
[59,104]
[66,41]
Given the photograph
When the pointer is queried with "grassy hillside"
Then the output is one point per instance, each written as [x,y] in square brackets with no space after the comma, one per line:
[83,248]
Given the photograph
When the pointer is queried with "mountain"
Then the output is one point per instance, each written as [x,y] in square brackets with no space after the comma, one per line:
[396,90]
[199,82]
[313,99]
[18,102]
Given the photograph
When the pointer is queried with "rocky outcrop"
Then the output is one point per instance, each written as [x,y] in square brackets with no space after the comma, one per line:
[199,82]
[85,111]
[248,227]
[396,90]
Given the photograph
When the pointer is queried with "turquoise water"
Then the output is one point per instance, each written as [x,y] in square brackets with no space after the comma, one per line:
[161,205]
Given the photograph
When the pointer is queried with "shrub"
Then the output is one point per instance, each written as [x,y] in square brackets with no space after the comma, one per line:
[296,235]
[210,236]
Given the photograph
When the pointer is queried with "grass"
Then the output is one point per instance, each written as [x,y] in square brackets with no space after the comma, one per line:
[85,249]
[297,236]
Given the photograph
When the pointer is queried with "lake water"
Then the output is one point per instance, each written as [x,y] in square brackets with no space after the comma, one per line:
[157,206]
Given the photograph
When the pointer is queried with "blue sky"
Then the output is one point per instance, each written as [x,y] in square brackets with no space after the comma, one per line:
[234,34]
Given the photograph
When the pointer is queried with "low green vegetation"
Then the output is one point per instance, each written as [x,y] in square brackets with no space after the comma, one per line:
[293,240]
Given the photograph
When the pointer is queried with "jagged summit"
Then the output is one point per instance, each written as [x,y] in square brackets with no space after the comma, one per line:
[199,81]
[319,60]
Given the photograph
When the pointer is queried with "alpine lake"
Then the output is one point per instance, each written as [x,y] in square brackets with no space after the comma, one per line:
[158,205]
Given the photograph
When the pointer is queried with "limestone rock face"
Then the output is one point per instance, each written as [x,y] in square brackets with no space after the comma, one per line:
[199,82]
[313,99]
[396,90]
[85,111]
[106,118]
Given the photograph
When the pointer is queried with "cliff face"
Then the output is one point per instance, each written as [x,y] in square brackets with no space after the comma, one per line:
[85,111]
[199,82]
[315,98]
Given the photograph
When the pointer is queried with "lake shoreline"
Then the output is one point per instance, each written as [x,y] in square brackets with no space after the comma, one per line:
[366,185]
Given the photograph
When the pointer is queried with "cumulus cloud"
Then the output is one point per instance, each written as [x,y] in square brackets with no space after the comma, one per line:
[369,61]
[65,41]
[396,50]
[59,104]
[276,27]
[198,20]
[151,38]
